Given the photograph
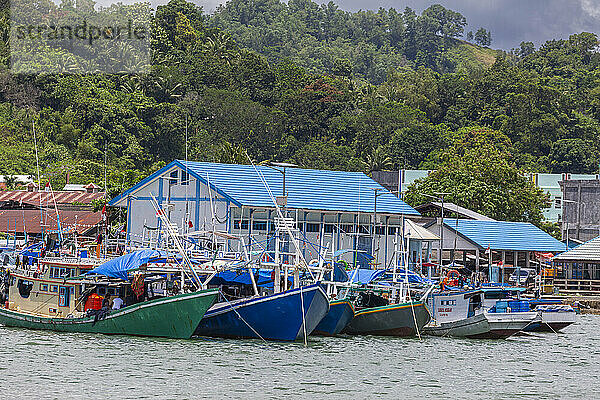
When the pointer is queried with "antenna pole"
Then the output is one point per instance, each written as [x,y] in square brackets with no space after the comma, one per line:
[37,163]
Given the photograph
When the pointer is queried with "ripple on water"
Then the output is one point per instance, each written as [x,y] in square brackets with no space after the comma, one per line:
[540,366]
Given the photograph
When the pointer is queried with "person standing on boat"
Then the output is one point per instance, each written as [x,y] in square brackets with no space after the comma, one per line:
[106,302]
[117,303]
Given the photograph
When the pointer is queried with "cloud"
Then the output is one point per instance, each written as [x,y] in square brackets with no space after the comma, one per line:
[510,21]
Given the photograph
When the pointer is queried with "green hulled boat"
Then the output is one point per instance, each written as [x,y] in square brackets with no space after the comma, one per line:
[170,317]
[46,298]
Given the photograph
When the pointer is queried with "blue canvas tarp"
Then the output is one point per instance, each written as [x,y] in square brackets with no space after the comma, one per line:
[242,277]
[339,274]
[118,267]
[364,276]
[413,277]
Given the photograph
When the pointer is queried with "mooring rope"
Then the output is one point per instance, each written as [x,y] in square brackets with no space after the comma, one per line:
[242,318]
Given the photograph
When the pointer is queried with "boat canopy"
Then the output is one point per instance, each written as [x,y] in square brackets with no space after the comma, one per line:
[118,267]
[413,277]
[364,276]
[242,277]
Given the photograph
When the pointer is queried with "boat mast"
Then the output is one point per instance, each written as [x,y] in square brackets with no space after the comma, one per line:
[37,163]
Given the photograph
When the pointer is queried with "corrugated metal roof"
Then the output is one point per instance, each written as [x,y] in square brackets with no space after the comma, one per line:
[503,235]
[588,251]
[307,189]
[453,208]
[61,197]
[416,231]
[29,220]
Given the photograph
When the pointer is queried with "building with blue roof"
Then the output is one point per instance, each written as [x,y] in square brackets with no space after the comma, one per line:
[332,209]
[510,245]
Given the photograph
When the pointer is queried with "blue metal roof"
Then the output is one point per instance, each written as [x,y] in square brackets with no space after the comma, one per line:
[503,235]
[307,189]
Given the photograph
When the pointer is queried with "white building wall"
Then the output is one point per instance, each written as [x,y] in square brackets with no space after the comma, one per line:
[331,230]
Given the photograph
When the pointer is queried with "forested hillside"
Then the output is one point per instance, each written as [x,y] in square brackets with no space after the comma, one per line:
[309,84]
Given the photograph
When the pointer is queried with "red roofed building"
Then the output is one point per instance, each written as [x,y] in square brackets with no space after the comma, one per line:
[20,211]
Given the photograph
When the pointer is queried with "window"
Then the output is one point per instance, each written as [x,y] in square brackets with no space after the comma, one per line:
[185,178]
[392,230]
[380,230]
[240,224]
[348,228]
[24,288]
[173,177]
[43,287]
[312,228]
[54,288]
[259,225]
[329,228]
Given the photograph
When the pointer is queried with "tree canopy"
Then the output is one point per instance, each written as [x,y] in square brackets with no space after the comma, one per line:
[315,85]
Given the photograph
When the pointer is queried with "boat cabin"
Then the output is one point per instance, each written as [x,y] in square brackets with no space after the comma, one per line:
[46,288]
[450,307]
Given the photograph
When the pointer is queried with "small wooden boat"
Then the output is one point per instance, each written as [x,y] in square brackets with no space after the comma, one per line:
[404,319]
[284,316]
[52,297]
[339,316]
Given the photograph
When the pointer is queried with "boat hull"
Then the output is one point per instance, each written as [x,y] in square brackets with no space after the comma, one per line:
[340,314]
[391,320]
[552,321]
[503,325]
[276,317]
[474,326]
[170,317]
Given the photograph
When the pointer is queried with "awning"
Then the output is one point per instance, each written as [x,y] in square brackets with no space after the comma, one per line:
[364,276]
[118,267]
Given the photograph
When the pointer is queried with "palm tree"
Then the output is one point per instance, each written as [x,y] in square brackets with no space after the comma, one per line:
[378,160]
[11,182]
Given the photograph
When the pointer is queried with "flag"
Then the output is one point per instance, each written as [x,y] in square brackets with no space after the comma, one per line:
[190,225]
[47,189]
[104,213]
[160,212]
[488,250]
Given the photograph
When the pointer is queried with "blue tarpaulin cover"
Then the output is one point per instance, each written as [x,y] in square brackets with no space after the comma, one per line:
[242,277]
[339,274]
[413,277]
[118,267]
[364,276]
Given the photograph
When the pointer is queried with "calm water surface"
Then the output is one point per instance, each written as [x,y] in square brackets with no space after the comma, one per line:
[46,365]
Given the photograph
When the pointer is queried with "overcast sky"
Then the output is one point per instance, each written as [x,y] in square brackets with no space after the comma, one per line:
[511,21]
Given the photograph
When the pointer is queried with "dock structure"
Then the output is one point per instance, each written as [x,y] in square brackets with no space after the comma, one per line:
[346,214]
[577,271]
[495,247]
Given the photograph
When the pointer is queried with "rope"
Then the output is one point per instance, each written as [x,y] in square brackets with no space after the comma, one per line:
[242,318]
[412,307]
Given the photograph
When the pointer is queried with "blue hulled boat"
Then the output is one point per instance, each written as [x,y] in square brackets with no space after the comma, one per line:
[283,316]
[340,314]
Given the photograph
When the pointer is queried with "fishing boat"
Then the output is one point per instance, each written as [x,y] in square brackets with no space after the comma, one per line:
[403,319]
[54,294]
[553,315]
[462,314]
[341,312]
[285,316]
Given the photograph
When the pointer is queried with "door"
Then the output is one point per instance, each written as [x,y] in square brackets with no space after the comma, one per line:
[64,296]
